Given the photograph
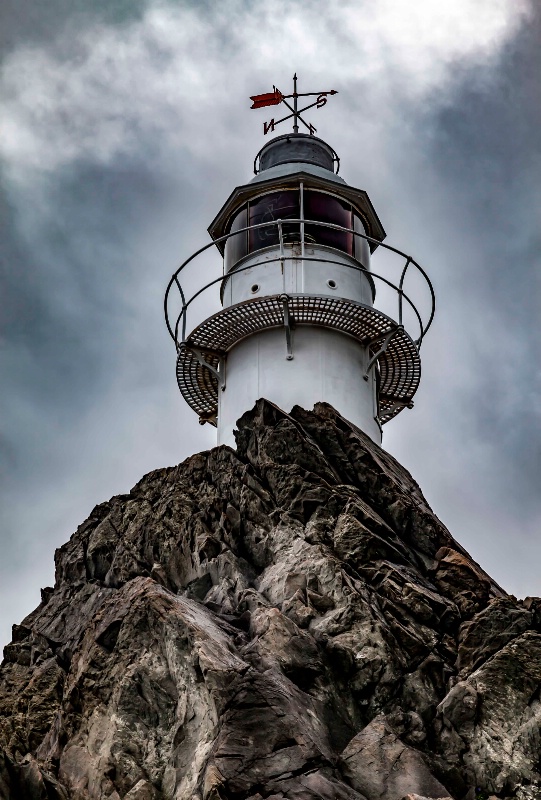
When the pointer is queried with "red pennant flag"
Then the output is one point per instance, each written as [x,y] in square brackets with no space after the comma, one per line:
[268,99]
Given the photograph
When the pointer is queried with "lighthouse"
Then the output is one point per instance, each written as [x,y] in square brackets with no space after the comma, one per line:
[300,321]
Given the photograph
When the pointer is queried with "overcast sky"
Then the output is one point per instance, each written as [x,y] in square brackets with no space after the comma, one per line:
[124,127]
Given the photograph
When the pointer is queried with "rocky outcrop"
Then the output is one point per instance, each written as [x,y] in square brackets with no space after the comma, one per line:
[288,620]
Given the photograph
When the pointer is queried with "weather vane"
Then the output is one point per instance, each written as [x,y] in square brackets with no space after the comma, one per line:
[276,97]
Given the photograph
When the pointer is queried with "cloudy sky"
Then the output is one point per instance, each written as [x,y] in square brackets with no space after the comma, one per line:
[124,127]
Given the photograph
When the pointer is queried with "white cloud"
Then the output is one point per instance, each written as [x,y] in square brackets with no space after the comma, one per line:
[95,92]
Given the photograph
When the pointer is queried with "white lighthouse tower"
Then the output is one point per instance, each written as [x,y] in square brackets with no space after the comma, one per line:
[299,322]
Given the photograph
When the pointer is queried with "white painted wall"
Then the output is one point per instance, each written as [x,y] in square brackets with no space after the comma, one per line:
[261,269]
[327,366]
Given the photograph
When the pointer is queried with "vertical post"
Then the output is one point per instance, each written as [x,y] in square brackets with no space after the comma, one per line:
[401,290]
[282,254]
[287,325]
[183,312]
[184,323]
[295,105]
[302,219]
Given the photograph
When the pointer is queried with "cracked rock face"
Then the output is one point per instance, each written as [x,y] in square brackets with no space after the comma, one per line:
[289,620]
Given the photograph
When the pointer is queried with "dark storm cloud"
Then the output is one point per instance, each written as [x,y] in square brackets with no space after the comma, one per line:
[62,275]
[488,153]
[128,129]
[479,433]
[40,22]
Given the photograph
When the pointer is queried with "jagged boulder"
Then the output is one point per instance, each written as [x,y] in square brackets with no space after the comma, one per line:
[287,620]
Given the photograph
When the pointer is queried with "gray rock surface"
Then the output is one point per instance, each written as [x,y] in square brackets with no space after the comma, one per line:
[289,620]
[377,763]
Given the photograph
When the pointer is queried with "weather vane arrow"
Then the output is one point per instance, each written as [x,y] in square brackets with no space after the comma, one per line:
[276,97]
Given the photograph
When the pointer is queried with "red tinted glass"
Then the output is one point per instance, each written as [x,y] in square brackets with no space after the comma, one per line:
[278,205]
[324,208]
[237,246]
[362,249]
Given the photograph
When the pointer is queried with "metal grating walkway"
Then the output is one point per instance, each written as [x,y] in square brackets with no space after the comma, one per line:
[400,365]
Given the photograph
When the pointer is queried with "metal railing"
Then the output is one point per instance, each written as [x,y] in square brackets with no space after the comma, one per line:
[178,322]
[335,160]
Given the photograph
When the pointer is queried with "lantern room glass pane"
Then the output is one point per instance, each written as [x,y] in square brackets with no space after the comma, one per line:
[362,249]
[236,247]
[277,205]
[325,208]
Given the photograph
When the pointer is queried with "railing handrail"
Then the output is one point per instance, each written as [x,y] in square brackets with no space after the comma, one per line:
[278,259]
[335,160]
[278,223]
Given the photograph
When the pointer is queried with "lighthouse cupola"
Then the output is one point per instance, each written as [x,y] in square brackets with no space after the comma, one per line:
[299,322]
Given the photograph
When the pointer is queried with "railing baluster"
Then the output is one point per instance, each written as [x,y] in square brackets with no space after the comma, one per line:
[302,220]
[400,290]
